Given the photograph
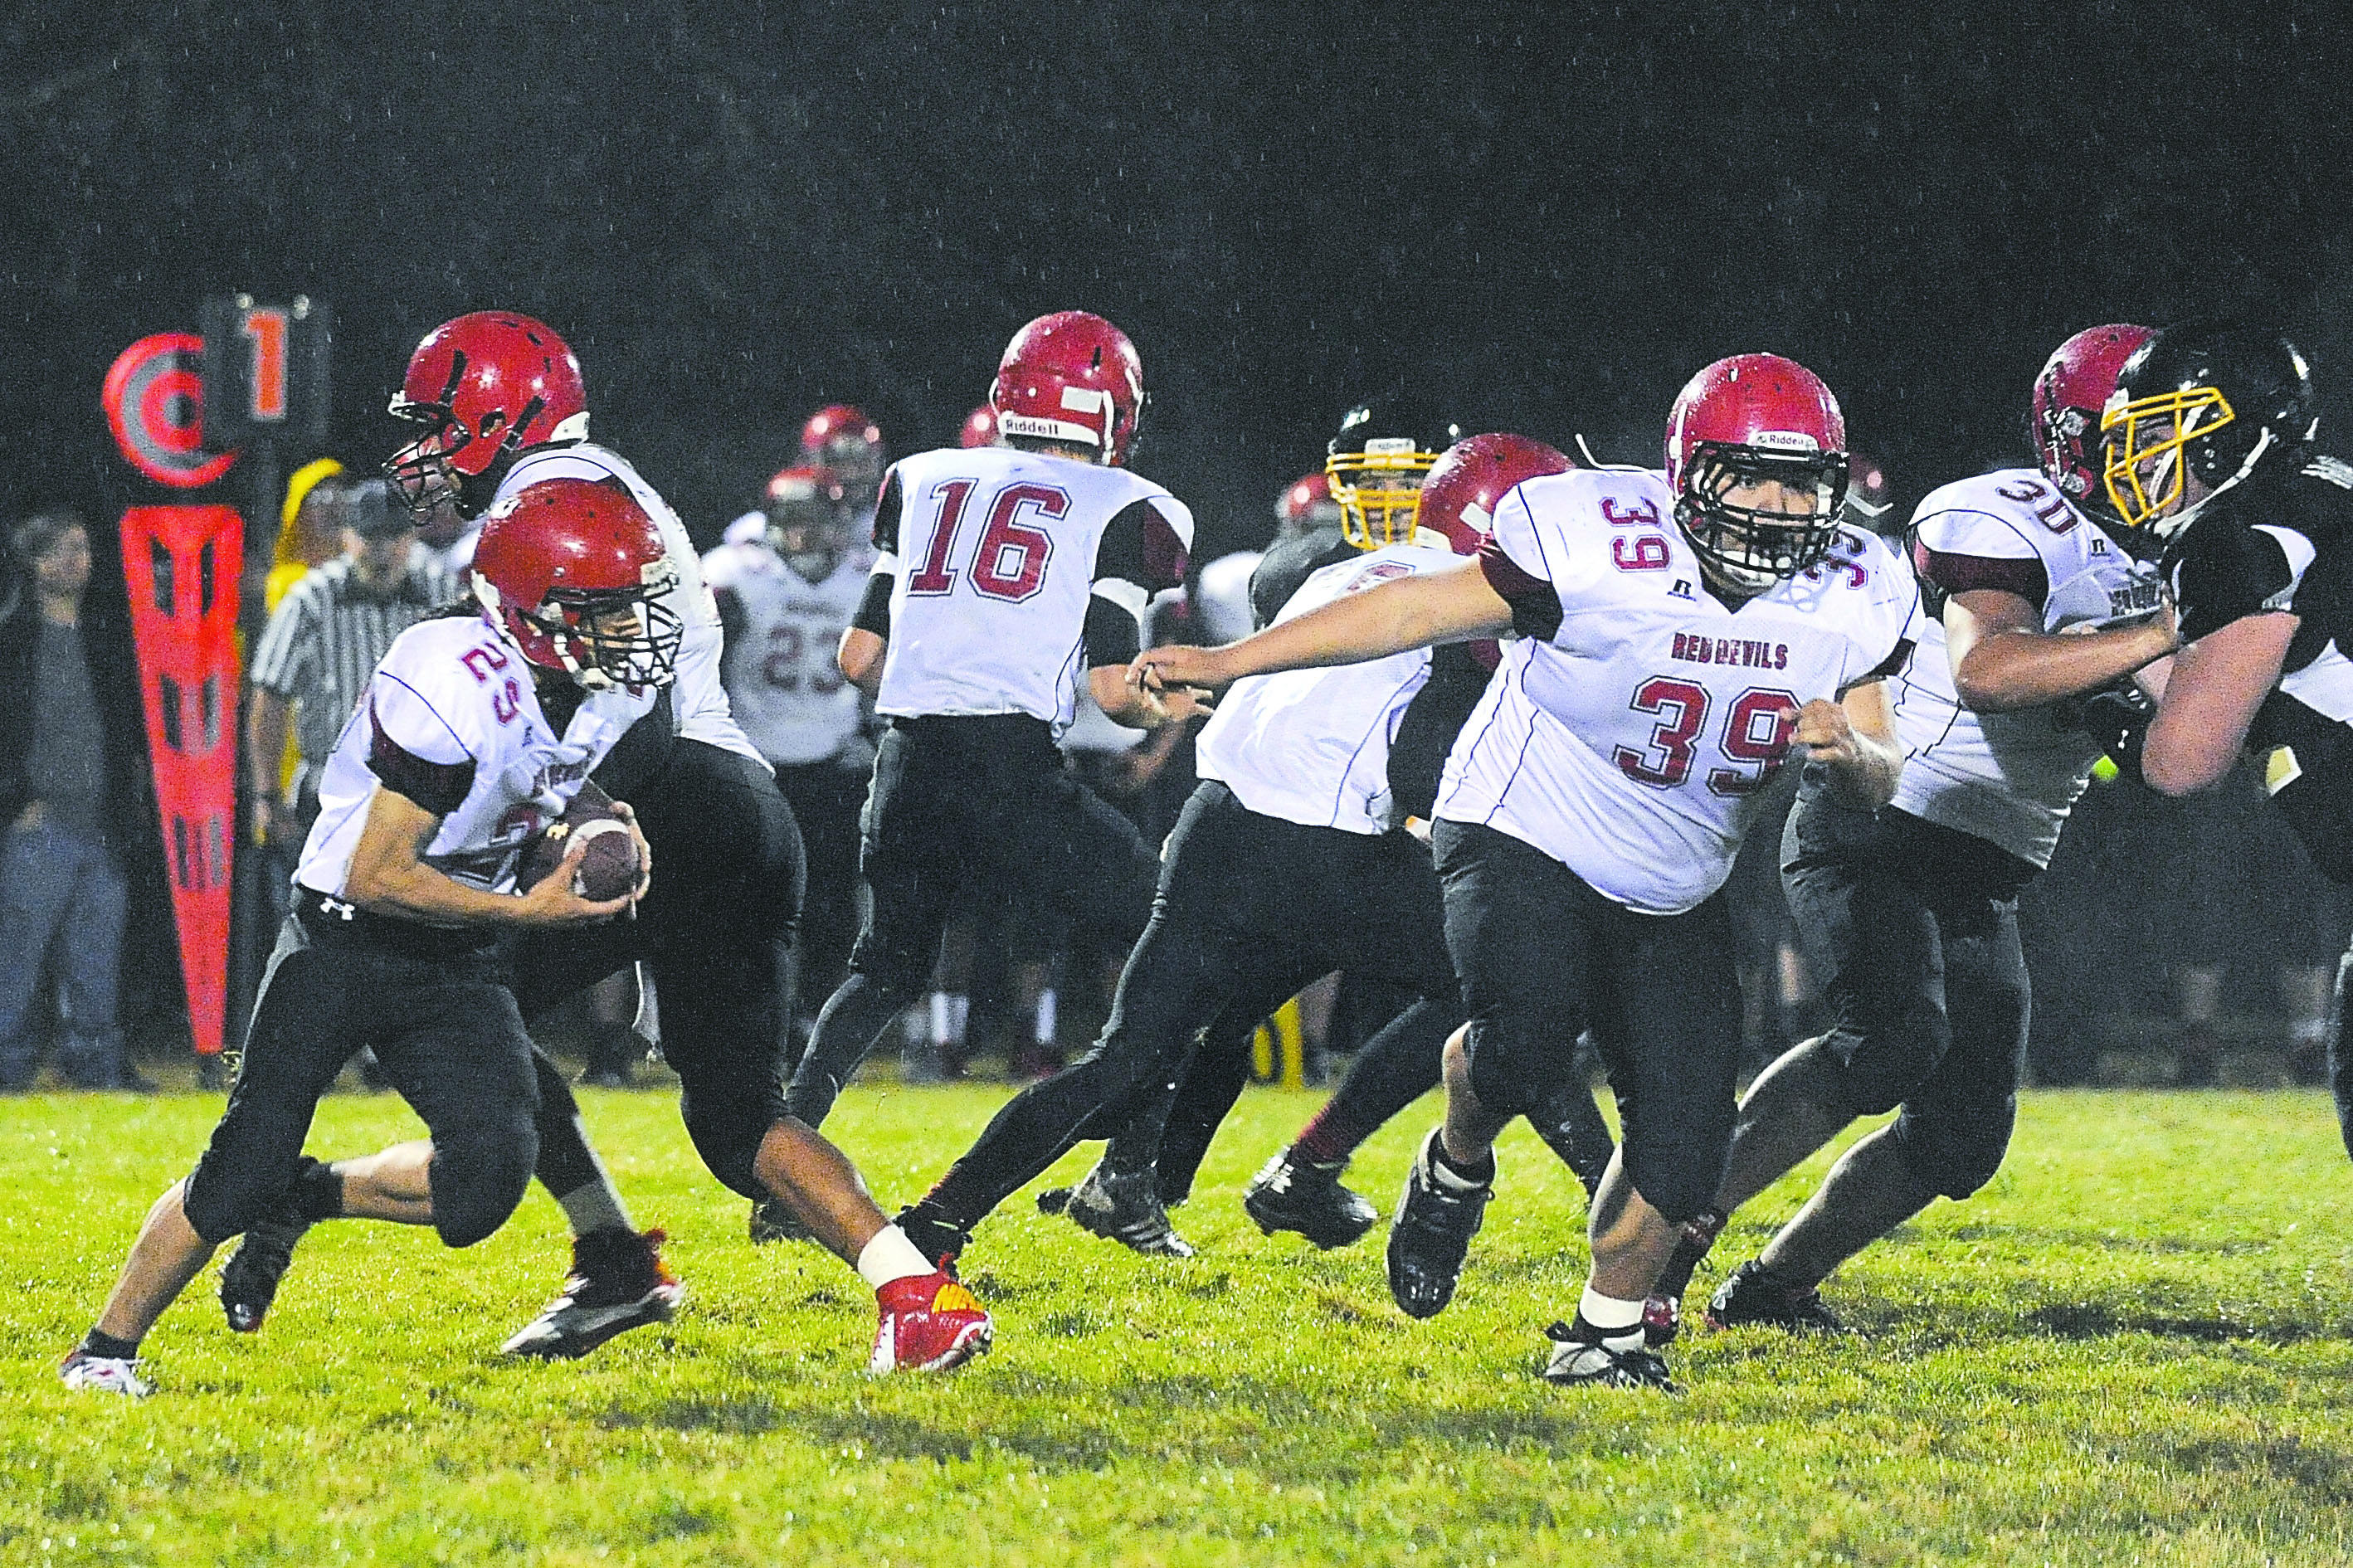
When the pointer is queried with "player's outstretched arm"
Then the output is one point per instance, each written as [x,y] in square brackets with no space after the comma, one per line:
[388,876]
[2210,699]
[1854,741]
[860,659]
[2002,659]
[1453,604]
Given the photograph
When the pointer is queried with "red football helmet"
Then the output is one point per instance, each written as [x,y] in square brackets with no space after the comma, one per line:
[840,438]
[1459,492]
[484,383]
[1305,505]
[573,571]
[2069,397]
[809,522]
[1071,378]
[1747,420]
[979,429]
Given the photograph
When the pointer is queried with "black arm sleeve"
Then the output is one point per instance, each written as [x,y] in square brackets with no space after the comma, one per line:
[1139,546]
[874,610]
[1112,636]
[731,616]
[1427,731]
[888,507]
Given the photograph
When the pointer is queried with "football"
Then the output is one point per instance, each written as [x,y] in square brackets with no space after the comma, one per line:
[608,866]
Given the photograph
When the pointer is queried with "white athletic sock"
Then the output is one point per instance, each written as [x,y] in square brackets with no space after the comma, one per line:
[1620,1322]
[891,1256]
[1044,1033]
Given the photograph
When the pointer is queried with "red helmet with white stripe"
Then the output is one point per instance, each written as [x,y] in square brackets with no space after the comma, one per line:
[485,384]
[1459,492]
[573,571]
[1073,379]
[1743,424]
[2070,394]
[842,438]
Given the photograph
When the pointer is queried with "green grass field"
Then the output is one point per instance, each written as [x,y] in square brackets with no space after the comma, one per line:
[2135,1347]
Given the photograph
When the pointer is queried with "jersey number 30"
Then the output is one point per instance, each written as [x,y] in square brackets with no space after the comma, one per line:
[1756,732]
[1010,562]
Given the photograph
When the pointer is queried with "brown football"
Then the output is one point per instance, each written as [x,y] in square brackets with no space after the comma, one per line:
[608,866]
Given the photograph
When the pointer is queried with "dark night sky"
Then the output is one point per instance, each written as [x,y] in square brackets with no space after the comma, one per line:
[1548,216]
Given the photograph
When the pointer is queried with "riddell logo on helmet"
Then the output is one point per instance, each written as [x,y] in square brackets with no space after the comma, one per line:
[1785,441]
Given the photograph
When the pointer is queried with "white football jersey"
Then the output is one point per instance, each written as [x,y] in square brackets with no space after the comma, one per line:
[699,702]
[741,553]
[1633,726]
[452,721]
[1312,746]
[2008,778]
[994,555]
[787,692]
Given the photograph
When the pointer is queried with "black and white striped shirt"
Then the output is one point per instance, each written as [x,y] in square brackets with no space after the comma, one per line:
[326,637]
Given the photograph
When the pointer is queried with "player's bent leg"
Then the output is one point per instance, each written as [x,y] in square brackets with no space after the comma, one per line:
[166,1256]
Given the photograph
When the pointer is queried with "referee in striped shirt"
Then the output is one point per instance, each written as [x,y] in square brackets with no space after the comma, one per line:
[323,641]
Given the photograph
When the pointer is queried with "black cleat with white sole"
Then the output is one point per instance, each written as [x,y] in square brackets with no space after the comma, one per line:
[617,1282]
[1305,1197]
[1431,1234]
[1578,1360]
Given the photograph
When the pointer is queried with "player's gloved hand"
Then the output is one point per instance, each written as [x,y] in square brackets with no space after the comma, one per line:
[2118,720]
[552,901]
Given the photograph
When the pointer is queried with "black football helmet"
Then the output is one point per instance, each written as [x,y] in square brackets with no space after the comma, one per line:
[2207,399]
[1376,464]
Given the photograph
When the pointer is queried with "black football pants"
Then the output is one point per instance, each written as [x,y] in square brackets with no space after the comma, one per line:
[1914,929]
[1249,909]
[435,1008]
[726,897]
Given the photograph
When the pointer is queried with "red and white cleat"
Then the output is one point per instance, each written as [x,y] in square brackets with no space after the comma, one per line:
[929,1323]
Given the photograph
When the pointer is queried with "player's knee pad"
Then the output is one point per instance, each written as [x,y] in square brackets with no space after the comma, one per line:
[1502,1071]
[477,1183]
[1955,1156]
[1876,1082]
[727,1134]
[219,1206]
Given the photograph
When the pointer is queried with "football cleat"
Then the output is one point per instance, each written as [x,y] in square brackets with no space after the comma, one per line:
[1575,1358]
[1662,1320]
[1302,1196]
[617,1282]
[1054,1200]
[1756,1297]
[1431,1234]
[773,1220]
[103,1374]
[250,1280]
[929,1323]
[1124,1206]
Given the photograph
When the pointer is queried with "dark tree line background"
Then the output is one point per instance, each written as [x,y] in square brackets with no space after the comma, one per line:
[1547,215]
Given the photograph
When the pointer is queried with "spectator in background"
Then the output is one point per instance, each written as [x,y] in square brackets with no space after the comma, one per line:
[66,753]
[324,638]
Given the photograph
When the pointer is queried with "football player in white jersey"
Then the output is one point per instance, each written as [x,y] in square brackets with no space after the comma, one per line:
[503,406]
[1007,574]
[477,730]
[1682,635]
[1910,914]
